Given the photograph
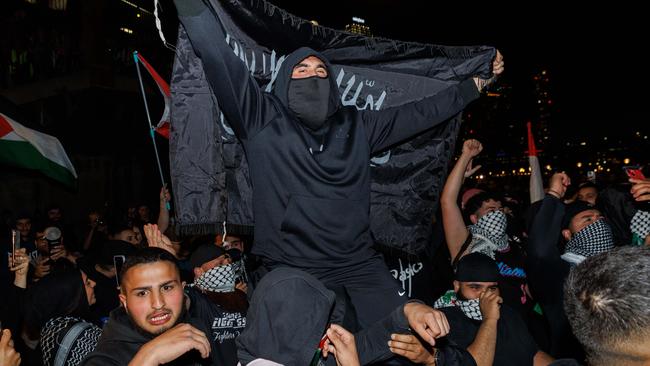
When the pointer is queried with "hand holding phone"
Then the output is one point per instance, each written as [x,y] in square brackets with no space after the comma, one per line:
[634,172]
[42,267]
[118,263]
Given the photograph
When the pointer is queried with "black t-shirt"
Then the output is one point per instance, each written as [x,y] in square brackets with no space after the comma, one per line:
[515,346]
[224,327]
[512,267]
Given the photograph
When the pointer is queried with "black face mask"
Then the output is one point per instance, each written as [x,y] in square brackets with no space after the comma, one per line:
[309,100]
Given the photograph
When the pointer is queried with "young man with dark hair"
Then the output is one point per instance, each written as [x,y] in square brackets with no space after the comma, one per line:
[487,232]
[606,299]
[491,331]
[158,322]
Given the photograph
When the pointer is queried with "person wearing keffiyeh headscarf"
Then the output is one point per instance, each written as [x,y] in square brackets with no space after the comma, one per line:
[490,330]
[487,231]
[215,275]
[586,233]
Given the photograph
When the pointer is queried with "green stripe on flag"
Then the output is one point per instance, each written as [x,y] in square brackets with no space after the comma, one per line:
[23,154]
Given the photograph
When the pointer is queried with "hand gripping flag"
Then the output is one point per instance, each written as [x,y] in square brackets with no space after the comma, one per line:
[209,170]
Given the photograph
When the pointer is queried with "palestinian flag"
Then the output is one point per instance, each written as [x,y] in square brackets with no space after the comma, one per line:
[163,126]
[536,184]
[26,148]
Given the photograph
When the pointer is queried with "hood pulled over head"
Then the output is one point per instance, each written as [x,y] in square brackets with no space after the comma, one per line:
[313,100]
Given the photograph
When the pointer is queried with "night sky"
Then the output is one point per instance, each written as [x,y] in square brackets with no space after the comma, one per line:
[593,53]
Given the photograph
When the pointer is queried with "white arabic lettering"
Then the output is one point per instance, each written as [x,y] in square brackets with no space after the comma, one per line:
[405,275]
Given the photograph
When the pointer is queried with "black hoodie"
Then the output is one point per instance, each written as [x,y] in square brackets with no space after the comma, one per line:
[290,312]
[120,339]
[311,208]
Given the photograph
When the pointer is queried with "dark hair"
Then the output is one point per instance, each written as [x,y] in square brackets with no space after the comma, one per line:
[474,204]
[606,300]
[145,256]
[588,185]
[53,206]
[59,294]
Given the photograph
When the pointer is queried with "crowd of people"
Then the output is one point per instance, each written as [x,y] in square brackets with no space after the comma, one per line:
[564,280]
[567,289]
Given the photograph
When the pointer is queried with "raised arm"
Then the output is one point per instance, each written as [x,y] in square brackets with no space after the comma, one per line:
[238,95]
[163,213]
[390,126]
[546,269]
[547,224]
[452,218]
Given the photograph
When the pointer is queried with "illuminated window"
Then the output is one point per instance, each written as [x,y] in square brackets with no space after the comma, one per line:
[58,4]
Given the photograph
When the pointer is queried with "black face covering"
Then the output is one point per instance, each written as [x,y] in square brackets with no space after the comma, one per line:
[309,100]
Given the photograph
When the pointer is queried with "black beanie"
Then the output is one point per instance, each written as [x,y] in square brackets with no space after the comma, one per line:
[573,209]
[205,253]
[477,267]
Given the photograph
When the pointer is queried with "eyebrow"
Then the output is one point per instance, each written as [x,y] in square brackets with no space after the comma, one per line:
[321,65]
[149,287]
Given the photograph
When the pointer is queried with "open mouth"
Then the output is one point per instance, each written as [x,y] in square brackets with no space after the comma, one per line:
[160,318]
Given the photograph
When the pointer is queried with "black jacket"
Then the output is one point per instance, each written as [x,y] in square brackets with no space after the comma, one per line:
[120,340]
[290,312]
[547,272]
[515,346]
[310,209]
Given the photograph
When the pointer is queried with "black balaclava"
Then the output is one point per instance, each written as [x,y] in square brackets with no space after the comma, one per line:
[309,100]
[300,95]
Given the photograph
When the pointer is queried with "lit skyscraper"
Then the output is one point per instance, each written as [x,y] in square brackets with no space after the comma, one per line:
[358,26]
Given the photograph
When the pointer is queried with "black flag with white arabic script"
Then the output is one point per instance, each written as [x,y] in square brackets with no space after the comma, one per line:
[208,165]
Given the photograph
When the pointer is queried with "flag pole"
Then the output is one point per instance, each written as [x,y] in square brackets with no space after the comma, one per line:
[151,128]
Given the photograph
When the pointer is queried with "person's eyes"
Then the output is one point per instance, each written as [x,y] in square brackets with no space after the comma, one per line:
[141,293]
[168,287]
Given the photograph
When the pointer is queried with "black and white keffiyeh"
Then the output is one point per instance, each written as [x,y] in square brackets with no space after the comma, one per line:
[470,308]
[489,234]
[240,271]
[65,341]
[591,240]
[640,227]
[217,279]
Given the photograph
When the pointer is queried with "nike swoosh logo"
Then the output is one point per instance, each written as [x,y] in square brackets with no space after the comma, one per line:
[400,293]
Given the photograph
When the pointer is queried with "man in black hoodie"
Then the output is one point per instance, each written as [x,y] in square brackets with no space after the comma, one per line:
[309,160]
[297,326]
[158,322]
[587,234]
